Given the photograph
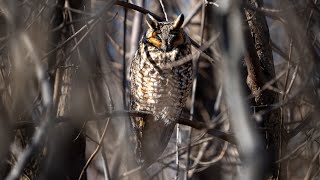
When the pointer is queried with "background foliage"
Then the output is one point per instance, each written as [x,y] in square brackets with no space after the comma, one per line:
[252,114]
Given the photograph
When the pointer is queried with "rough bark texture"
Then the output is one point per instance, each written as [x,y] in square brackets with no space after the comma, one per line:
[66,152]
[260,68]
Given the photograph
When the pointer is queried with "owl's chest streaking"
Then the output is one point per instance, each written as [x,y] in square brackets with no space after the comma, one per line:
[155,89]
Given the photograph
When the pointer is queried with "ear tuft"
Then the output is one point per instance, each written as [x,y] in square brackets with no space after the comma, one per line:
[151,21]
[178,22]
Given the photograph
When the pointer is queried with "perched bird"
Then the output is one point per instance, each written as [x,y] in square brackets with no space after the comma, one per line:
[158,90]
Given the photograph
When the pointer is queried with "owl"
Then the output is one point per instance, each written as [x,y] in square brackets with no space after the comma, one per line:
[158,90]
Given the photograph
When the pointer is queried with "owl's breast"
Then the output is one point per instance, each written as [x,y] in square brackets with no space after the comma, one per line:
[161,91]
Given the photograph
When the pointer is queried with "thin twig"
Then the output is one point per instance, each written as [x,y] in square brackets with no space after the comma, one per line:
[197,160]
[115,45]
[193,12]
[73,31]
[304,123]
[272,13]
[212,3]
[98,125]
[218,100]
[35,18]
[188,58]
[128,173]
[163,10]
[194,85]
[86,26]
[153,176]
[178,142]
[294,75]
[138,8]
[41,132]
[67,40]
[214,132]
[136,29]
[292,152]
[95,151]
[217,158]
[288,72]
[85,35]
[183,151]
[279,51]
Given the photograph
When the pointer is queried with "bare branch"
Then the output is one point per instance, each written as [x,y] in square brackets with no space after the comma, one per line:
[95,151]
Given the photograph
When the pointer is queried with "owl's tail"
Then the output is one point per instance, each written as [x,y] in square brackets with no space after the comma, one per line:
[151,139]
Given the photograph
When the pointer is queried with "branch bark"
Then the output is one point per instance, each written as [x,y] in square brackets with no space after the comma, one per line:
[260,69]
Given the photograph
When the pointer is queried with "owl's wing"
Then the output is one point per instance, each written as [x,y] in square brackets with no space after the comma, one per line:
[150,138]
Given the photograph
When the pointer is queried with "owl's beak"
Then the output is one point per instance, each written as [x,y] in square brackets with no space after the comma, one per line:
[166,46]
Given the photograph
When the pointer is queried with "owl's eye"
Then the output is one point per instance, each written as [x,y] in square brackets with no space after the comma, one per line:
[178,40]
[155,40]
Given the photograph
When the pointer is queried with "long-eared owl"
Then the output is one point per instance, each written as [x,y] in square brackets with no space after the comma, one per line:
[158,90]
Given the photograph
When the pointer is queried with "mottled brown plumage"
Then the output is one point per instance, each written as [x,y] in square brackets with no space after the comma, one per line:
[155,89]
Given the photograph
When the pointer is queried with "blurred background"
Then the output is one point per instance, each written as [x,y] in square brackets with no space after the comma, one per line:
[252,114]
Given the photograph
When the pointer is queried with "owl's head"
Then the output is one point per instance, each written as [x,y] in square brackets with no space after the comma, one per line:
[165,36]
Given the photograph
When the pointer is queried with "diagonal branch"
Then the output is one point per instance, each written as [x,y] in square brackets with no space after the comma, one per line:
[95,151]
[124,113]
[213,132]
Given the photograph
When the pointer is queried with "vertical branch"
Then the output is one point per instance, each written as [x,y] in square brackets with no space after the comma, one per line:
[93,90]
[178,142]
[194,85]
[163,10]
[124,73]
[250,148]
[55,38]
[66,152]
[5,101]
[260,68]
[40,133]
[136,30]
[95,151]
